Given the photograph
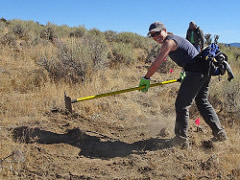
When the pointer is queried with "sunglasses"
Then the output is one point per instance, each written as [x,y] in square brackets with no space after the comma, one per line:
[155,34]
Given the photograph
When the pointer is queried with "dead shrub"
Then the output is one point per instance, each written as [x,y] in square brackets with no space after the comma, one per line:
[231,94]
[48,33]
[19,30]
[8,39]
[76,59]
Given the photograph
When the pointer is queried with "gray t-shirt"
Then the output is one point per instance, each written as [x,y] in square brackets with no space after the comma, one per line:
[185,51]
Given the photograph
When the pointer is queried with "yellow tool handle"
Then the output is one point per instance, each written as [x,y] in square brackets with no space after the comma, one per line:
[123,91]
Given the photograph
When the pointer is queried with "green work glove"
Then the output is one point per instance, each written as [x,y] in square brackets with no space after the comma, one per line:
[144,82]
[182,75]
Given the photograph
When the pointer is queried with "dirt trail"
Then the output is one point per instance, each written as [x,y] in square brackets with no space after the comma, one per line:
[76,147]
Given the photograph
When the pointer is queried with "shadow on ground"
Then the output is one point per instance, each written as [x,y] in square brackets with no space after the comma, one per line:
[91,146]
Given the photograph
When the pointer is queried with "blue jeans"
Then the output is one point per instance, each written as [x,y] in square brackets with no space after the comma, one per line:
[197,47]
[195,86]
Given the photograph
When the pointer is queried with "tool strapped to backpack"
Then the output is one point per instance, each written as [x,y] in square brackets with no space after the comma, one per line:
[211,61]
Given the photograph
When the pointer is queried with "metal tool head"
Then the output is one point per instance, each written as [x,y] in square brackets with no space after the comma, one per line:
[68,103]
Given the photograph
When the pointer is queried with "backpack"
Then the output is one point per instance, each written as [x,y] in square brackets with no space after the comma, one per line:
[215,61]
[211,61]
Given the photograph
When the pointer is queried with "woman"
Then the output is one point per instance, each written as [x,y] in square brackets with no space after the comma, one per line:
[194,86]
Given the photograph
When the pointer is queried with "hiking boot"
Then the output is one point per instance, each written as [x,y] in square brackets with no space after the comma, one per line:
[220,136]
[179,141]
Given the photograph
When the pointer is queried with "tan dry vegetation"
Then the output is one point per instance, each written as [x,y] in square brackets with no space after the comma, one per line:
[109,138]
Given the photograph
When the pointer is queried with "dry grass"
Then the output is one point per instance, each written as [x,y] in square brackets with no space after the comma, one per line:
[107,138]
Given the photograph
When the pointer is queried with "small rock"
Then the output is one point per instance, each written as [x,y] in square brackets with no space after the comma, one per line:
[164,132]
[207,144]
[211,163]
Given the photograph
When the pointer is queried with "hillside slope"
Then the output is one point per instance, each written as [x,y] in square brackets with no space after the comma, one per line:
[118,137]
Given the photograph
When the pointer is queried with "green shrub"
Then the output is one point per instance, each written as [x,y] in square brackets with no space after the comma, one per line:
[136,41]
[3,20]
[78,32]
[2,27]
[110,36]
[127,37]
[34,28]
[62,31]
[96,32]
[20,29]
[122,53]
[132,38]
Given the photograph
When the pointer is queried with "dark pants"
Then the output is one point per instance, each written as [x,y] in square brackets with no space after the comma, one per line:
[195,86]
